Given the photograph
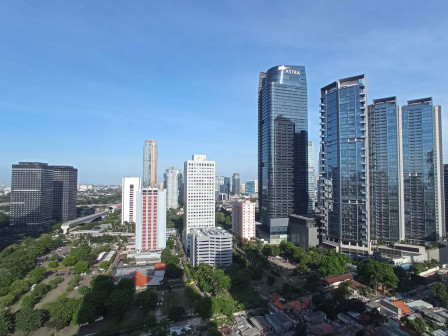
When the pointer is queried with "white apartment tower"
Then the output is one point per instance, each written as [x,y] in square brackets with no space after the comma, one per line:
[129,188]
[199,195]
[172,187]
[243,219]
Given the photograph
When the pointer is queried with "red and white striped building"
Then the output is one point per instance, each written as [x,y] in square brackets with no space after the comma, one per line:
[150,227]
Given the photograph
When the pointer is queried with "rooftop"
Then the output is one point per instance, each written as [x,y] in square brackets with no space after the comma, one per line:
[211,231]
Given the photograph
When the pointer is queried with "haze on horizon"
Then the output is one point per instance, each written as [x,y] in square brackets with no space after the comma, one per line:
[85,83]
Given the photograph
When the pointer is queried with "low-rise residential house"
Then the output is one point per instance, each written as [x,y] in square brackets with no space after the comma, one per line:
[331,283]
[396,309]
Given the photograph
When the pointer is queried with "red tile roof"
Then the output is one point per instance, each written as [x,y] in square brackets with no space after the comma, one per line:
[297,305]
[279,305]
[275,297]
[400,304]
[140,279]
[332,280]
[159,267]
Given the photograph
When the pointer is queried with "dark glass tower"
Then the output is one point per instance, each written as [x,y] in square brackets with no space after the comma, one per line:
[236,185]
[65,182]
[343,188]
[31,195]
[423,171]
[386,177]
[282,148]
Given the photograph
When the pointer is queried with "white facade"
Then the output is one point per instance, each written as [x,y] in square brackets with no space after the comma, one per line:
[243,219]
[312,194]
[172,187]
[129,188]
[211,246]
[150,225]
[199,194]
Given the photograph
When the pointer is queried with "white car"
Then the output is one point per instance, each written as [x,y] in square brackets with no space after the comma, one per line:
[100,318]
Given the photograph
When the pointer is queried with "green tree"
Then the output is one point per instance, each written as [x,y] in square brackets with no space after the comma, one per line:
[377,273]
[6,323]
[439,293]
[147,299]
[271,280]
[80,252]
[28,319]
[19,286]
[68,261]
[118,301]
[62,310]
[81,267]
[333,265]
[418,324]
[6,277]
[104,265]
[173,272]
[28,301]
[36,275]
[53,264]
[204,307]
[55,257]
[176,312]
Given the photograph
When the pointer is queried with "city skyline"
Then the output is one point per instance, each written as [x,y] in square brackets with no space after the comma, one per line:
[76,87]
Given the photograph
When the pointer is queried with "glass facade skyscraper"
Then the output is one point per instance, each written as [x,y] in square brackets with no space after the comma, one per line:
[282,148]
[344,194]
[236,184]
[385,167]
[423,171]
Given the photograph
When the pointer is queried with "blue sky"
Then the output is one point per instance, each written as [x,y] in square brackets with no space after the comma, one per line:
[84,83]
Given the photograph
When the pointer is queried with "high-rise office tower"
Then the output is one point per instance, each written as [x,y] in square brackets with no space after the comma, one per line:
[423,171]
[180,184]
[65,193]
[251,187]
[344,193]
[32,195]
[150,164]
[172,187]
[236,184]
[385,169]
[219,185]
[129,188]
[243,188]
[445,184]
[282,148]
[199,194]
[311,180]
[243,219]
[227,186]
[150,225]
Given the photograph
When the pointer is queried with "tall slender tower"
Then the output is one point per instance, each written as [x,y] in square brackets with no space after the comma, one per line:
[386,170]
[172,187]
[423,171]
[282,148]
[199,195]
[150,164]
[344,164]
[236,184]
[311,180]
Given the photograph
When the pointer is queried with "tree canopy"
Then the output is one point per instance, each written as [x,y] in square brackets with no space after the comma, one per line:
[376,273]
